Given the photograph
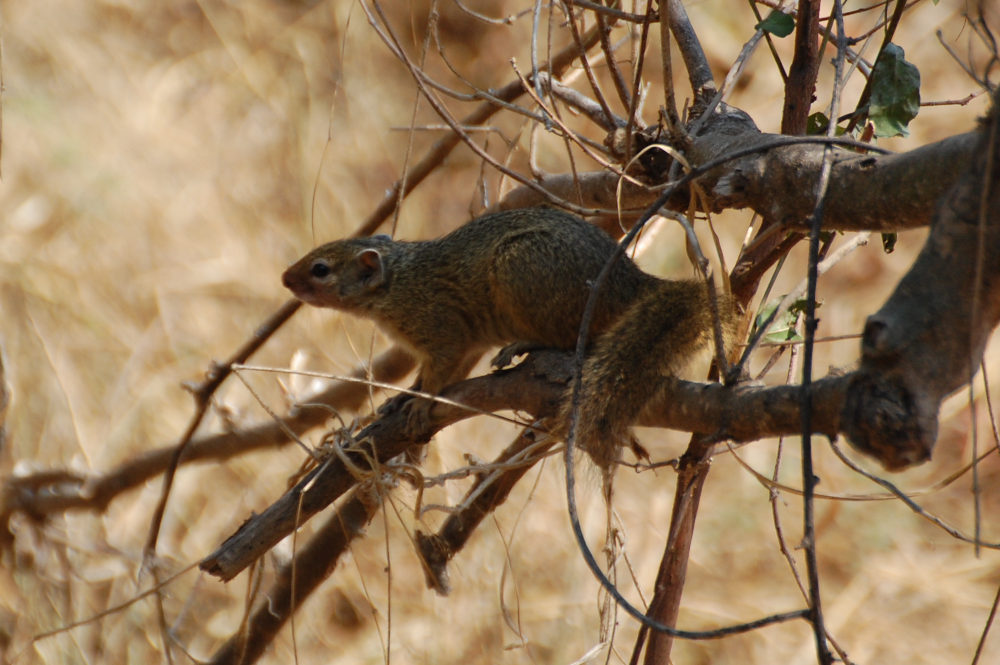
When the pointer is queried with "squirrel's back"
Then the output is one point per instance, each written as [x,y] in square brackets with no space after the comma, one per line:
[541,263]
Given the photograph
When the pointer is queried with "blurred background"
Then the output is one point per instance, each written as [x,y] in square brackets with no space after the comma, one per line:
[163,162]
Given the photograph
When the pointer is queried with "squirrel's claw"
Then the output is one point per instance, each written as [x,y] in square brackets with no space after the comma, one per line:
[505,356]
[416,411]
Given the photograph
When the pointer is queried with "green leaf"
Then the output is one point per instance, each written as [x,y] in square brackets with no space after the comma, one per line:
[817,123]
[895,97]
[777,23]
[783,334]
[782,329]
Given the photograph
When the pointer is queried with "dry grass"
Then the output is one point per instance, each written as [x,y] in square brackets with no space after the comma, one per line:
[159,166]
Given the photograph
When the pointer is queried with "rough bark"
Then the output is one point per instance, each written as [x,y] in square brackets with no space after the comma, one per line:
[928,338]
[867,192]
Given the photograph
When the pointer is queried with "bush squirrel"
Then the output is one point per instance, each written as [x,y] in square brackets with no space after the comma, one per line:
[523,277]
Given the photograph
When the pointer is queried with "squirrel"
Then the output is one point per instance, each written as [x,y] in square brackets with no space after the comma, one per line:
[519,278]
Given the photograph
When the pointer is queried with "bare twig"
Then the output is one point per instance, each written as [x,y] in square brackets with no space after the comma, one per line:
[386,33]
[203,395]
[489,492]
[632,101]
[312,564]
[809,479]
[53,492]
[910,503]
[699,71]
[598,112]
[986,629]
[604,30]
[608,115]
[795,294]
[559,62]
[801,82]
[615,12]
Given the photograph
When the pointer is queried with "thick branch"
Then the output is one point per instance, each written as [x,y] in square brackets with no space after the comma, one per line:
[599,189]
[535,386]
[867,192]
[379,442]
[928,339]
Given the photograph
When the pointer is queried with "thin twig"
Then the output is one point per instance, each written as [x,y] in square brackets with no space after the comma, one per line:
[910,503]
[386,33]
[986,629]
[800,289]
[436,155]
[203,397]
[608,115]
[113,610]
[632,101]
[613,12]
[596,111]
[604,30]
[809,479]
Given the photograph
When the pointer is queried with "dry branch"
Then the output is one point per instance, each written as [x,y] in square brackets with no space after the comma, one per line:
[298,578]
[480,501]
[535,386]
[55,491]
[375,445]
[928,339]
[867,192]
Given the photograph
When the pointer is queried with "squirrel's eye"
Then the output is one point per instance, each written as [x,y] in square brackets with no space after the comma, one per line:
[320,269]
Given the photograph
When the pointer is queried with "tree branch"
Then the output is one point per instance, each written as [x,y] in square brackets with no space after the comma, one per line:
[298,578]
[699,71]
[928,339]
[536,387]
[866,193]
[55,491]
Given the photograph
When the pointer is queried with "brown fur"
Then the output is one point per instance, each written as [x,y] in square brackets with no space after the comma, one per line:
[519,276]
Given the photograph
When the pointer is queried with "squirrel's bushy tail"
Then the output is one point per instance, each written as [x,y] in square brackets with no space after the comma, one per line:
[654,338]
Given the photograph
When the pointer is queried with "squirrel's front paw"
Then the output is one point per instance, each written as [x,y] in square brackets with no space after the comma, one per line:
[393,405]
[505,356]
[415,410]
[418,415]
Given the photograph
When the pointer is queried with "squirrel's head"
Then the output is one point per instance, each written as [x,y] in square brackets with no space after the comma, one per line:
[341,274]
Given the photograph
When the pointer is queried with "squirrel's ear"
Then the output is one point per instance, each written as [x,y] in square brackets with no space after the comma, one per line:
[373,270]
